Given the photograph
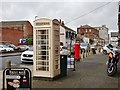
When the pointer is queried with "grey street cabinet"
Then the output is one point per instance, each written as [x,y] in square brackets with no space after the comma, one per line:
[46,38]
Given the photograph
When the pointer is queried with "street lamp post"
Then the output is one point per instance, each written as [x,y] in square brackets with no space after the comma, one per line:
[71,54]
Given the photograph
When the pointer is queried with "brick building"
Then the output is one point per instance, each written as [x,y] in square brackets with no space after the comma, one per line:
[88,31]
[92,33]
[12,31]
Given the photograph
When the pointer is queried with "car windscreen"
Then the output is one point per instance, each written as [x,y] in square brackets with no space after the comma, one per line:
[31,48]
[5,46]
[83,44]
[93,46]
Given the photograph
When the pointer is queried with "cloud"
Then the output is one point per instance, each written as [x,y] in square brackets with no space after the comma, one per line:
[66,11]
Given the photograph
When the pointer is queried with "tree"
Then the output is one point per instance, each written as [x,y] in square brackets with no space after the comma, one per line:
[29,41]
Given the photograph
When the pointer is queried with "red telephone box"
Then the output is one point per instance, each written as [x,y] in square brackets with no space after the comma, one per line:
[77,51]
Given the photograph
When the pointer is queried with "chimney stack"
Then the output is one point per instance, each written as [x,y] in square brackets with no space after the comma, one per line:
[62,23]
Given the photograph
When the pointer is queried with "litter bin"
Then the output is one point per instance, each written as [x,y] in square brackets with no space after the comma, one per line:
[63,65]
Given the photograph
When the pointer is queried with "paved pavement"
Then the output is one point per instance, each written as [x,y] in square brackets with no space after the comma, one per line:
[90,73]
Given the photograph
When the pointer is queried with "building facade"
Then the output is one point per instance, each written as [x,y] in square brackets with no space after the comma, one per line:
[114,38]
[103,33]
[13,31]
[89,32]
[66,35]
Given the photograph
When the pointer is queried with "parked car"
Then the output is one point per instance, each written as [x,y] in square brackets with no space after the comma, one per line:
[107,48]
[23,47]
[27,56]
[13,46]
[84,46]
[93,47]
[6,48]
[2,49]
[63,50]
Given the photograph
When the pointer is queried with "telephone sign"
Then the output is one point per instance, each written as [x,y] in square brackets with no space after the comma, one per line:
[17,79]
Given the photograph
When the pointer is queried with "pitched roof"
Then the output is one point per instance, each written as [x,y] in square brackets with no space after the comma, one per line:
[67,28]
[10,23]
[86,26]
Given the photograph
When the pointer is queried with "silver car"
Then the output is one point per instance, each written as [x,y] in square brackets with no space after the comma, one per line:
[84,46]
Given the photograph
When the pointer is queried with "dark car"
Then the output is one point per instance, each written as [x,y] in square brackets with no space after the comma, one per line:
[93,47]
[23,47]
[13,46]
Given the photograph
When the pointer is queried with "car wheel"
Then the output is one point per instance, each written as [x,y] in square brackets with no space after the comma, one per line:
[104,52]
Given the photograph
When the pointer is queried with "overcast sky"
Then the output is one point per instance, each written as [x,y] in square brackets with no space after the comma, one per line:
[66,11]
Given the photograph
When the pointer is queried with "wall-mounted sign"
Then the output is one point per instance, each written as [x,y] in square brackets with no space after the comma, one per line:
[42,23]
[17,79]
[22,40]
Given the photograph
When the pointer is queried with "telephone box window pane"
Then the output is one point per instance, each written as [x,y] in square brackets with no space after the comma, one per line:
[47,63]
[41,62]
[42,68]
[43,47]
[39,58]
[43,57]
[43,32]
[38,63]
[47,68]
[43,52]
[47,57]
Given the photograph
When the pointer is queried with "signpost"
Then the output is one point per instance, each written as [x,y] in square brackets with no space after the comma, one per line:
[17,79]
